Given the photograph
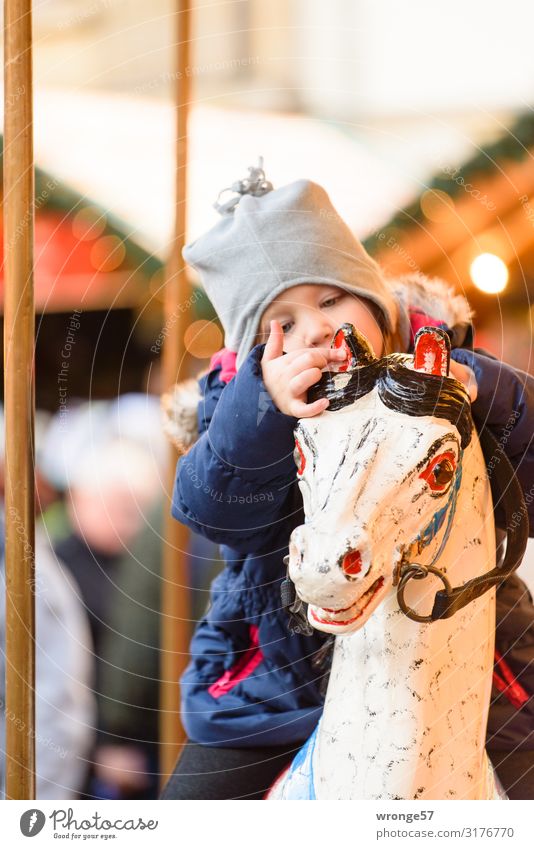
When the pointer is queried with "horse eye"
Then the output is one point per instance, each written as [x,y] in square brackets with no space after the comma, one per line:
[440,471]
[299,458]
[443,472]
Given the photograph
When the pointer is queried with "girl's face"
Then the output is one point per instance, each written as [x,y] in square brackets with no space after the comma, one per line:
[310,314]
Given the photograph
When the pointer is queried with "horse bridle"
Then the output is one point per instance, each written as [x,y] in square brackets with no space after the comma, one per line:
[506,492]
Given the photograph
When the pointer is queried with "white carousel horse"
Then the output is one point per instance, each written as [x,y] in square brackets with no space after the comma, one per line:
[393,473]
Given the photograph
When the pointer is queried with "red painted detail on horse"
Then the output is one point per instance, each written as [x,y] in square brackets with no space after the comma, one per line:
[352,563]
[419,319]
[281,775]
[337,609]
[227,360]
[428,474]
[431,354]
[510,686]
[300,457]
[379,585]
[339,341]
[244,667]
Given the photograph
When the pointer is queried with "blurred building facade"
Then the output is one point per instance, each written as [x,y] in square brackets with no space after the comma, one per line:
[344,58]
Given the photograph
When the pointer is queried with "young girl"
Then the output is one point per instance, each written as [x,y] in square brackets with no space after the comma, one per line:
[282,268]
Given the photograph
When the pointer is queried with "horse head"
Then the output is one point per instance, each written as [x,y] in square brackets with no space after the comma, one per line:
[379,472]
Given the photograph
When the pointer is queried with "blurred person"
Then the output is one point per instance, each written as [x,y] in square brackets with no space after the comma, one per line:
[127,755]
[133,417]
[111,490]
[65,710]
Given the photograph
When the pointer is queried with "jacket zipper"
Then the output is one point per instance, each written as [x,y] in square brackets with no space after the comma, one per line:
[244,667]
[509,685]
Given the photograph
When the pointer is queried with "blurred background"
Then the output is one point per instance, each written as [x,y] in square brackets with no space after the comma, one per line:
[417,118]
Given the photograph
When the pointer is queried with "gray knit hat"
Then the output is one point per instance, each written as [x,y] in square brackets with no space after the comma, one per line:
[269,240]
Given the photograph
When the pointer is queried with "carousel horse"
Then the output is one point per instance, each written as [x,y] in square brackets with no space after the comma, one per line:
[398,510]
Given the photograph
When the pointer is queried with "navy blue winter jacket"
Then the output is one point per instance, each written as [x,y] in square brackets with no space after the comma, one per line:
[250,682]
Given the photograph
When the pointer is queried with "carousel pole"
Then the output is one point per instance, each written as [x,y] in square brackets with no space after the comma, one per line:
[175,598]
[19,400]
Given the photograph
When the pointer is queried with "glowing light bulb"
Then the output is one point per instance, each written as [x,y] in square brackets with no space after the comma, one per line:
[489,273]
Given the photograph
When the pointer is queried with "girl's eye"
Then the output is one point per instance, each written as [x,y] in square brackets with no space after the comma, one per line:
[331,301]
[440,471]
[286,327]
[299,458]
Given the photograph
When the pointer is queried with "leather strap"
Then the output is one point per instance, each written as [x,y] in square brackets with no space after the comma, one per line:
[507,492]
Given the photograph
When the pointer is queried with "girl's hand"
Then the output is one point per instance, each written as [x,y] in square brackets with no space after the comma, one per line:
[288,377]
[466,376]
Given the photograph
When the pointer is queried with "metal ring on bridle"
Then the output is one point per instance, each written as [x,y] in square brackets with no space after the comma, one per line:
[418,573]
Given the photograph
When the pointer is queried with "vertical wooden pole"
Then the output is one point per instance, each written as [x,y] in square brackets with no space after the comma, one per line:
[175,596]
[19,331]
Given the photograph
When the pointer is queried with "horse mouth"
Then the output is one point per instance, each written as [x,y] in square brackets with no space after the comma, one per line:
[347,615]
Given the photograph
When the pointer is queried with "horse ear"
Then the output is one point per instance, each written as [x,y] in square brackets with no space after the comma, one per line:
[432,351]
[357,348]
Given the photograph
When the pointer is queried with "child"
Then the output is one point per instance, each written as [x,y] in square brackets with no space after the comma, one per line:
[282,266]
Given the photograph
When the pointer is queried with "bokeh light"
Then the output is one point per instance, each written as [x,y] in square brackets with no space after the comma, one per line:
[202,338]
[437,206]
[108,253]
[88,223]
[489,273]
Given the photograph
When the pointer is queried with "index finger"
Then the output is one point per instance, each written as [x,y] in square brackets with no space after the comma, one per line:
[330,354]
[301,410]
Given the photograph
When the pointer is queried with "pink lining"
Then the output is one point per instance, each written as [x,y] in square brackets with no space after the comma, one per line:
[419,319]
[244,667]
[227,360]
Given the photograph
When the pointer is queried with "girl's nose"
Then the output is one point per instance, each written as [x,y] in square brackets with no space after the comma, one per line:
[317,333]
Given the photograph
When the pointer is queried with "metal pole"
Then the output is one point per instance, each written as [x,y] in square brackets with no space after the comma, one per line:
[175,596]
[19,324]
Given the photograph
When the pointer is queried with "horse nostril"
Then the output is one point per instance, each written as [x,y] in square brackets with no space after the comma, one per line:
[352,563]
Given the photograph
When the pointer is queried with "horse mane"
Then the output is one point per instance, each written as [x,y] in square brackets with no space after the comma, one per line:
[400,388]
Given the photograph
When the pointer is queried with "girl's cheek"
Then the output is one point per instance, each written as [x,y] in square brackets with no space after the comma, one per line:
[377,342]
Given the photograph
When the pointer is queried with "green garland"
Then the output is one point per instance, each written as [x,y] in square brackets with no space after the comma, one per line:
[514,145]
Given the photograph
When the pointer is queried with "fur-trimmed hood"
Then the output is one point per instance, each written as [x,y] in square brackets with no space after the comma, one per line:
[433,297]
[414,292]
